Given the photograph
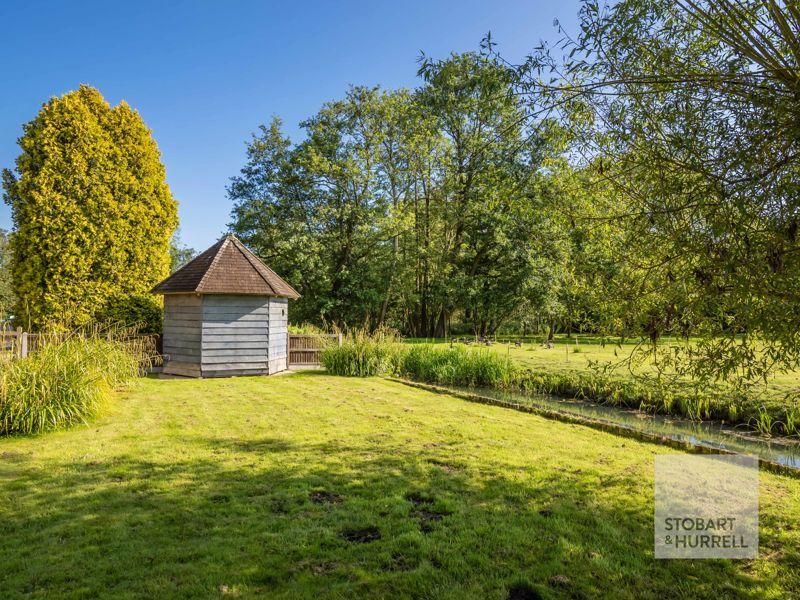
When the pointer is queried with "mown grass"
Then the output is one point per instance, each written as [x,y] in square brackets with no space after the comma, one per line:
[248,488]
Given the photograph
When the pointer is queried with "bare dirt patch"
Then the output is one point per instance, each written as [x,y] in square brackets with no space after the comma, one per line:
[360,536]
[523,591]
[323,497]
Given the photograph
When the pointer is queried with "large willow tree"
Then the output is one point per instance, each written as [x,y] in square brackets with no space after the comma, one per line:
[93,215]
[690,123]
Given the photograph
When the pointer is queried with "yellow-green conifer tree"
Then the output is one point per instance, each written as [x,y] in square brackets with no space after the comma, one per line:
[92,212]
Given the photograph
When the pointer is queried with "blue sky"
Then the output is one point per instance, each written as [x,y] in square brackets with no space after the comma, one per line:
[204,75]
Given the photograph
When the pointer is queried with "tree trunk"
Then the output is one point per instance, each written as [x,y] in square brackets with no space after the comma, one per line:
[439,329]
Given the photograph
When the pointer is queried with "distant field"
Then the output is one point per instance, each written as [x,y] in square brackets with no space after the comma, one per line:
[578,352]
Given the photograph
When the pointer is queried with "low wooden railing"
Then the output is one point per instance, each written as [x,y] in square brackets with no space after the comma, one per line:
[21,343]
[14,341]
[305,349]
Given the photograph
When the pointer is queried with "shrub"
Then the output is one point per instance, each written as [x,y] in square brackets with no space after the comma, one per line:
[138,311]
[455,365]
[305,329]
[362,354]
[66,381]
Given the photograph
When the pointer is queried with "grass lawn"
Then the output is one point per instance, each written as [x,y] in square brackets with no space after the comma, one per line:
[312,486]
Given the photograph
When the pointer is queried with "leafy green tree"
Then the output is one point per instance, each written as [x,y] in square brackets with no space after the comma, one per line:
[498,228]
[409,208]
[92,212]
[179,253]
[272,215]
[319,211]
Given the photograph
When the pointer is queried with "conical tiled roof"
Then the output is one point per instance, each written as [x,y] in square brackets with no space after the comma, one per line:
[228,267]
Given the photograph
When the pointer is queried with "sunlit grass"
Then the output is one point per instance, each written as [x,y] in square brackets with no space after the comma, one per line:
[248,488]
[66,380]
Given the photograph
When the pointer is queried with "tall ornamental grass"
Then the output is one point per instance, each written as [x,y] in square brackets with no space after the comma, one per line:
[455,365]
[67,381]
[362,353]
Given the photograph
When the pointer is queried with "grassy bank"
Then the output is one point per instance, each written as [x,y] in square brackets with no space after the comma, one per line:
[313,486]
[578,352]
[566,369]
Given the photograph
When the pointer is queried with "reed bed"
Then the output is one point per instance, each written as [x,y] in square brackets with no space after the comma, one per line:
[362,353]
[455,365]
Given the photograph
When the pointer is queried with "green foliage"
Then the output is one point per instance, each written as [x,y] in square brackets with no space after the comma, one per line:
[66,381]
[682,399]
[141,312]
[791,425]
[362,354]
[455,365]
[179,253]
[688,120]
[491,230]
[305,329]
[7,297]
[92,212]
[409,209]
[641,393]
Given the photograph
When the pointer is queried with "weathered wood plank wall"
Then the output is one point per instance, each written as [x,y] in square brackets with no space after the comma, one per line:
[183,316]
[219,335]
[235,335]
[278,331]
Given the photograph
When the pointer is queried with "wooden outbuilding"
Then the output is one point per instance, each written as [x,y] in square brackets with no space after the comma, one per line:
[225,314]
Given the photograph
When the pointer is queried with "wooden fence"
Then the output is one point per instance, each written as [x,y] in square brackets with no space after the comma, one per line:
[21,343]
[305,349]
[14,341]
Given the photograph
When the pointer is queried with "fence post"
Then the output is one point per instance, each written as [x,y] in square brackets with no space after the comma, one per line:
[339,336]
[23,344]
[18,340]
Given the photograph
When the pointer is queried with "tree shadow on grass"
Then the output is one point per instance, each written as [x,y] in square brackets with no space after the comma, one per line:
[280,519]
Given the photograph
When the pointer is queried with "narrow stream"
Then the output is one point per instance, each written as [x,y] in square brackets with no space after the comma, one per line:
[715,435]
